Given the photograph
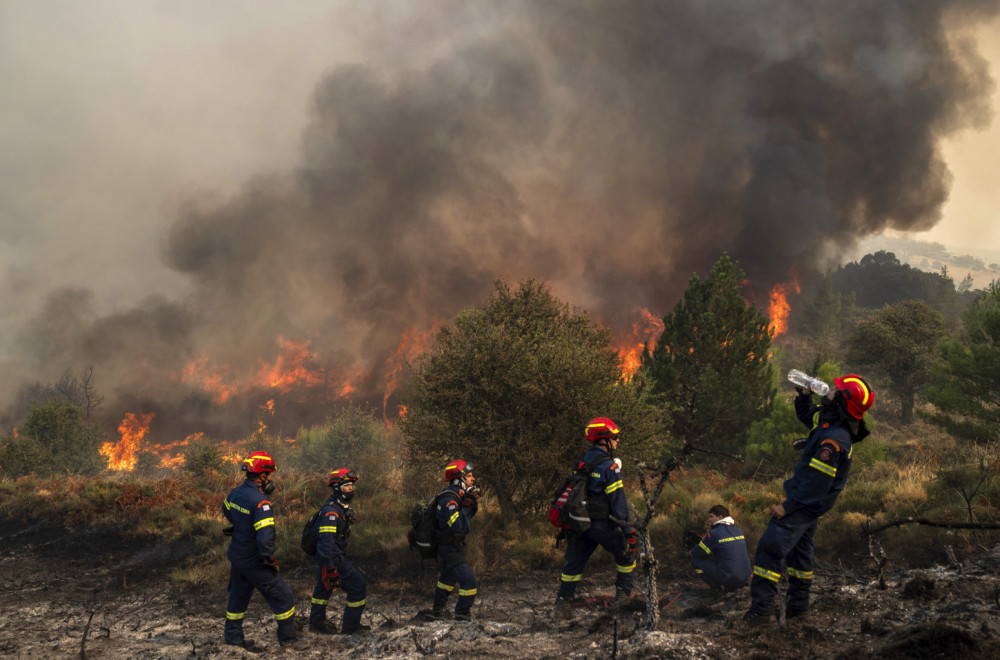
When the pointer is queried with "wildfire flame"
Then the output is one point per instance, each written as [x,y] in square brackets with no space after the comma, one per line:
[645,332]
[411,344]
[124,454]
[779,308]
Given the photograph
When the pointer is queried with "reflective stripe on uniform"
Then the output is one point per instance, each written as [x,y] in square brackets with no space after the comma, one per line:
[571,578]
[613,487]
[446,587]
[231,505]
[766,574]
[235,616]
[467,592]
[828,470]
[355,603]
[284,615]
[698,570]
[263,522]
[319,601]
[701,544]
[454,517]
[802,575]
[626,569]
[327,529]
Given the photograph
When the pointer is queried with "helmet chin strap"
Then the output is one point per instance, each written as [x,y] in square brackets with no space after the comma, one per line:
[460,483]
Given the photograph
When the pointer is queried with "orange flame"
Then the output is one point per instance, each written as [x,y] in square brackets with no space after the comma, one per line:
[645,332]
[124,454]
[779,308]
[411,344]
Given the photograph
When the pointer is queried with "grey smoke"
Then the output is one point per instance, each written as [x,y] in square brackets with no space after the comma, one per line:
[610,148]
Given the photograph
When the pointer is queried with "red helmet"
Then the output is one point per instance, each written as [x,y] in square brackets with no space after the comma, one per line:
[457,470]
[601,428]
[341,476]
[258,462]
[858,394]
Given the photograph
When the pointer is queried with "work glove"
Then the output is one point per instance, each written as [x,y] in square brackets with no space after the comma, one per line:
[630,546]
[475,492]
[800,444]
[349,515]
[331,578]
[271,562]
[470,503]
[228,530]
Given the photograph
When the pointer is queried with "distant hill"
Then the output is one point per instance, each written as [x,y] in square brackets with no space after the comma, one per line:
[982,264]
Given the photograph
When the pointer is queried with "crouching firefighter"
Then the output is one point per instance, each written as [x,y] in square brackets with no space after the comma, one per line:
[456,506]
[251,553]
[609,515]
[333,568]
[819,477]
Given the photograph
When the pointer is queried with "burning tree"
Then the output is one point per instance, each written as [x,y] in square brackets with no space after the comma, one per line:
[510,385]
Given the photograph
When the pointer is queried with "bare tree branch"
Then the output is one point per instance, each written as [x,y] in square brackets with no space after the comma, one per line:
[910,520]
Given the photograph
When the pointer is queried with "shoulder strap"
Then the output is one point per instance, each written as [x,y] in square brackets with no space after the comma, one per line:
[587,467]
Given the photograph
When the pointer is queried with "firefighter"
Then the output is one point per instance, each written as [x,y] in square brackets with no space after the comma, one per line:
[333,568]
[609,526]
[819,477]
[251,553]
[720,557]
[457,504]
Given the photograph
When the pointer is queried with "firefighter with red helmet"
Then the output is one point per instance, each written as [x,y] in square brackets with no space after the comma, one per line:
[333,569]
[456,505]
[251,553]
[609,514]
[819,477]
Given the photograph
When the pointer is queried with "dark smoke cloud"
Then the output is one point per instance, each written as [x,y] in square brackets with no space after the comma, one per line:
[609,148]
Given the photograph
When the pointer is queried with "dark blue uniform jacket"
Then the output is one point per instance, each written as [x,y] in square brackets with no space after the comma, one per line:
[722,555]
[452,520]
[333,530]
[252,516]
[822,472]
[604,484]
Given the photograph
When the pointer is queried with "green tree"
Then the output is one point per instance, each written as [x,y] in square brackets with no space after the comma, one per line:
[896,346]
[510,386]
[712,361]
[57,431]
[965,387]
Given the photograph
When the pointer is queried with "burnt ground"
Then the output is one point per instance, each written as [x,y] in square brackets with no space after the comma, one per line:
[96,594]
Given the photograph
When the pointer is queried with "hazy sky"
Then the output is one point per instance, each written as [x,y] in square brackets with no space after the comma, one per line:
[184,180]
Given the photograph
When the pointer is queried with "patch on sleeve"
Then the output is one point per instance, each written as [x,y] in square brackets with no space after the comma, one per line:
[452,505]
[332,514]
[265,507]
[825,455]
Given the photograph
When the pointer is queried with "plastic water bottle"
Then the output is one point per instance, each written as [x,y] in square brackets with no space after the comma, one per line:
[808,382]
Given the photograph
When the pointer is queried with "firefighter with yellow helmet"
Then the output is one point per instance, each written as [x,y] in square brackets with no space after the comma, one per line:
[609,514]
[456,506]
[819,477]
[251,553]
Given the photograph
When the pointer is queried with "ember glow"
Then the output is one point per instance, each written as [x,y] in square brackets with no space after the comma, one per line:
[645,332]
[779,308]
[124,454]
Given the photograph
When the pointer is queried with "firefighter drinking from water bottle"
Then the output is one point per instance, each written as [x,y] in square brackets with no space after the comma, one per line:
[819,477]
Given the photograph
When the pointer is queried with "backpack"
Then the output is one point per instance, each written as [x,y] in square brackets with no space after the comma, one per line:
[421,534]
[568,510]
[310,534]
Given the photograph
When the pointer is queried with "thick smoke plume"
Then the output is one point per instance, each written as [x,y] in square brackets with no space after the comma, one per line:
[610,148]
